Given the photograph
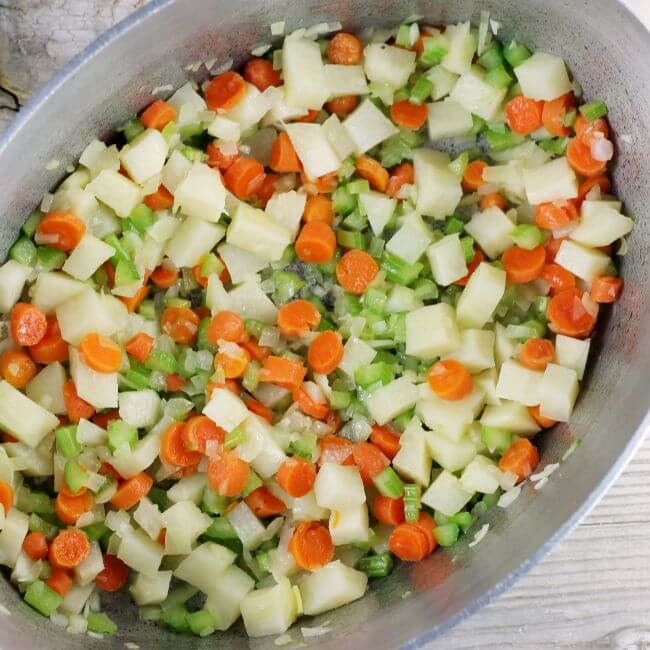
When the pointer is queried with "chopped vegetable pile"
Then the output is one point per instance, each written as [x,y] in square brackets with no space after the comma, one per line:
[274,341]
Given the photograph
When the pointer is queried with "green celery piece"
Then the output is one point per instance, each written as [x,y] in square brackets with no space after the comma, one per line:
[50,259]
[220,529]
[492,57]
[526,236]
[253,482]
[399,271]
[42,598]
[389,483]
[343,201]
[161,360]
[141,217]
[447,534]
[120,432]
[593,110]
[556,146]
[498,77]
[516,53]
[212,502]
[131,128]
[287,285]
[75,476]
[453,225]
[496,440]
[501,141]
[351,239]
[434,50]
[29,227]
[201,623]
[421,91]
[376,566]
[412,505]
[66,441]
[23,251]
[101,623]
[235,438]
[175,617]
[147,309]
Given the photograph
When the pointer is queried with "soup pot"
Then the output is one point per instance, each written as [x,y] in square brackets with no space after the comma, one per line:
[607,49]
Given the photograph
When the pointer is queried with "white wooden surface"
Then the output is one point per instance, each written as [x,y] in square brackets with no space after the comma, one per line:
[592,591]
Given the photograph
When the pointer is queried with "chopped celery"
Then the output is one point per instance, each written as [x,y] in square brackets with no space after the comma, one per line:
[500,141]
[458,165]
[174,301]
[29,501]
[287,285]
[358,186]
[250,380]
[366,375]
[175,617]
[467,244]
[478,124]
[401,421]
[389,483]
[125,273]
[201,622]
[66,441]
[401,95]
[187,131]
[96,531]
[39,525]
[426,289]
[462,519]
[23,251]
[161,360]
[351,239]
[159,497]
[526,236]
[399,147]
[540,308]
[524,331]
[434,50]
[340,399]
[447,534]
[407,35]
[264,561]
[141,217]
[496,440]
[355,220]
[75,476]
[253,482]
[101,623]
[50,259]
[507,301]
[147,309]
[347,303]
[343,201]
[397,270]
[397,327]
[593,110]
[453,226]
[220,529]
[412,505]
[101,277]
[570,118]
[254,327]
[376,247]
[235,438]
[212,502]
[120,433]
[202,341]
[120,251]
[186,363]
[421,91]
[211,264]
[138,378]
[376,566]
[516,53]
[498,77]
[131,128]
[374,299]
[192,153]
[492,57]
[42,598]
[29,227]
[305,446]
[556,146]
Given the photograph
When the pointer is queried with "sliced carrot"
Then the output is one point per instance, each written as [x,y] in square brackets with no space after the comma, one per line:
[180,323]
[255,350]
[76,407]
[244,177]
[554,112]
[325,352]
[341,106]
[225,91]
[409,543]
[133,302]
[233,365]
[60,581]
[345,49]
[297,317]
[102,419]
[578,154]
[158,115]
[218,159]
[318,208]
[60,229]
[311,545]
[311,116]
[140,346]
[283,372]
[558,278]
[537,353]
[567,314]
[522,265]
[524,115]
[472,266]
[449,379]
[227,326]
[197,430]
[283,157]
[261,74]
[296,476]
[161,199]
[69,549]
[114,575]
[520,459]
[69,508]
[65,490]
[174,383]
[386,440]
[403,174]
[602,181]
[131,491]
[258,408]
[427,524]
[388,511]
[28,324]
[473,176]
[370,460]
[543,421]
[408,115]
[17,367]
[334,449]
[106,469]
[316,243]
[605,289]
[356,270]
[556,215]
[369,169]
[51,347]
[173,450]
[164,277]
[308,405]
[333,421]
[323,185]
[100,353]
[267,189]
[586,130]
[228,474]
[264,504]
[6,496]
[492,200]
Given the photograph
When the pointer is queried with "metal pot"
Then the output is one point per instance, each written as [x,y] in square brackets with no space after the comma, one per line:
[607,49]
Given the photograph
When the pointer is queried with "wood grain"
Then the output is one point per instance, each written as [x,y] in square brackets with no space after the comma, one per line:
[591,591]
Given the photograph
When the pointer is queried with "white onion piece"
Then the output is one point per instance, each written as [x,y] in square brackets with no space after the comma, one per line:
[314,391]
[566,231]
[590,306]
[602,149]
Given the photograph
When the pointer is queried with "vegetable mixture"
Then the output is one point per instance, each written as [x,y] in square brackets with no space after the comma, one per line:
[275,339]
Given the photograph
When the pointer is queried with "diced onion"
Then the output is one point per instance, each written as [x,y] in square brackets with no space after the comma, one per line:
[118,521]
[590,306]
[356,430]
[269,337]
[602,149]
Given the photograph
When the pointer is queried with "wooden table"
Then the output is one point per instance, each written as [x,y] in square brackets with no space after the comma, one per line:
[592,591]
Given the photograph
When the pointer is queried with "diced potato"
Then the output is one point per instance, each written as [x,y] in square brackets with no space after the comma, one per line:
[411,240]
[356,353]
[14,531]
[451,418]
[447,260]
[239,262]
[432,331]
[281,112]
[223,601]
[87,257]
[192,240]
[476,95]
[225,129]
[443,81]
[476,350]
[349,525]
[451,455]
[189,488]
[12,280]
[338,136]
[269,456]
[145,155]
[225,409]
[572,353]
[140,408]
[481,475]
[203,566]
[504,346]
[387,64]
[116,191]
[138,551]
[438,189]
[251,109]
[184,522]
[286,208]
[249,301]
[481,296]
[462,45]
[367,127]
[379,209]
[150,590]
[509,178]
[46,389]
[543,76]
[413,460]
[387,402]
[600,224]
[512,416]
[91,567]
[448,119]
[186,97]
[338,487]
[97,156]
[519,384]
[82,314]
[491,229]
[140,457]
[201,193]
[216,297]
[446,494]
[554,181]
[558,392]
[487,381]
[582,261]
[97,388]
[175,170]
[304,73]
[345,80]
[314,150]
[332,586]
[271,610]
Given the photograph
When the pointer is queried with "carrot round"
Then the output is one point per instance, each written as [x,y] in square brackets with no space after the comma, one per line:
[555,216]
[341,106]
[161,199]
[233,365]
[409,543]
[17,367]
[196,432]
[76,407]
[255,350]
[140,346]
[225,91]
[492,200]
[296,476]
[567,314]
[473,175]
[217,159]
[158,115]
[131,491]
[520,459]
[69,549]
[180,323]
[408,115]
[60,581]
[334,449]
[537,353]
[356,270]
[308,405]
[283,372]
[325,352]
[554,112]
[319,208]
[388,511]
[228,474]
[60,229]
[69,508]
[258,408]
[311,116]
[522,265]
[114,575]
[369,169]
[449,379]
[261,74]
[316,243]
[578,154]
[586,130]
[427,524]
[345,49]
[28,324]
[35,545]
[173,450]
[558,278]
[51,347]
[543,421]
[174,382]
[133,302]
[265,504]
[100,353]
[472,266]
[311,545]
[164,277]
[387,441]
[283,157]
[325,184]
[602,181]
[524,115]
[227,326]
[244,177]
[297,317]
[268,188]
[6,496]
[605,289]
[370,460]
[403,174]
